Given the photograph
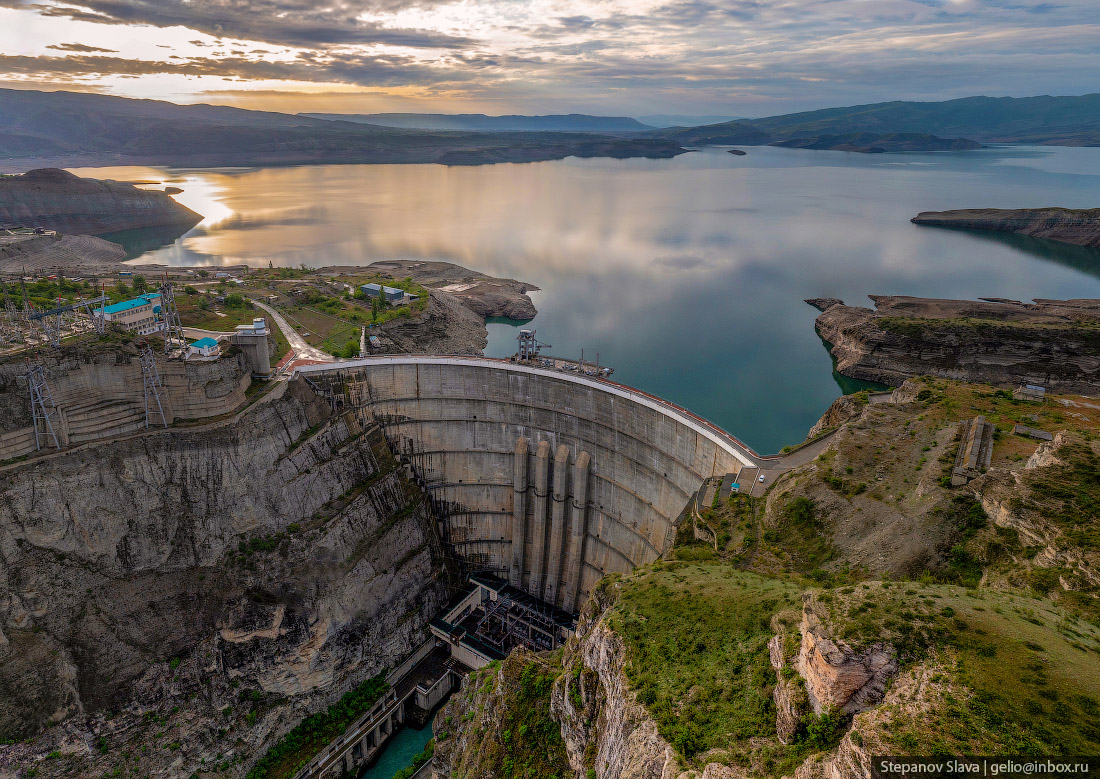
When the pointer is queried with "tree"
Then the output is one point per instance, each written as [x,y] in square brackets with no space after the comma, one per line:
[203,274]
[189,290]
[235,300]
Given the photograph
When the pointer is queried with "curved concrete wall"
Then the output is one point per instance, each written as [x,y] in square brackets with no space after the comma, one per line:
[549,479]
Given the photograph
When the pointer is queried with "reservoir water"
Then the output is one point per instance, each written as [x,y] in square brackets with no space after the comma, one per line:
[688,275]
[398,754]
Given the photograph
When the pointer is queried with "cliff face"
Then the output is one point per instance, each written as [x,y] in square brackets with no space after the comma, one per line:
[1050,342]
[208,588]
[1076,226]
[58,200]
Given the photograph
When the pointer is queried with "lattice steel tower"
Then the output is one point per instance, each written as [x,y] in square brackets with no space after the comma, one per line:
[173,329]
[153,388]
[43,409]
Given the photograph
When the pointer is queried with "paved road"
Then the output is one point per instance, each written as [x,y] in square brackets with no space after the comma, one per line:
[297,343]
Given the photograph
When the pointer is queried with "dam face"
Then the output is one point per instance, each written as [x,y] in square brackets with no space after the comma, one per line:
[547,479]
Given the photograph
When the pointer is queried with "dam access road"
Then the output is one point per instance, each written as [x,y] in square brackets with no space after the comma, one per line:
[551,480]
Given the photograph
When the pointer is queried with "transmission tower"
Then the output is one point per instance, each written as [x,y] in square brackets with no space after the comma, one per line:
[173,329]
[26,298]
[153,388]
[11,329]
[42,406]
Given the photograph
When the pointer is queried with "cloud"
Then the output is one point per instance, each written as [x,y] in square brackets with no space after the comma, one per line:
[742,57]
[389,71]
[303,23]
[81,48]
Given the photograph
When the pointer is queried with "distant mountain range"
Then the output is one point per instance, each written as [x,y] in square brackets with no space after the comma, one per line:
[1062,121]
[683,120]
[59,129]
[569,123]
[65,129]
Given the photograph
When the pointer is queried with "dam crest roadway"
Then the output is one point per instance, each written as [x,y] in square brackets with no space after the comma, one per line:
[549,480]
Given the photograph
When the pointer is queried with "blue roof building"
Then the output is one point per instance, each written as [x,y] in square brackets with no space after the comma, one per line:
[387,293]
[140,315]
[205,347]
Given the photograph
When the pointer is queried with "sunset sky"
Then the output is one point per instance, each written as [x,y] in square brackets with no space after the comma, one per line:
[634,57]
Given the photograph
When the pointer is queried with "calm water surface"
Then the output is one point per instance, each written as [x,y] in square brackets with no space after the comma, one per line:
[399,752]
[688,274]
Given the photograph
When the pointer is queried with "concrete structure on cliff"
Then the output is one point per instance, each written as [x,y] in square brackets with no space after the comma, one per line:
[548,480]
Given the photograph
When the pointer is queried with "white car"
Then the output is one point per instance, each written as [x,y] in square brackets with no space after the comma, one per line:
[761,479]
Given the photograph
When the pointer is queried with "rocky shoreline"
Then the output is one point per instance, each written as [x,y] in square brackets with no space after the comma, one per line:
[1053,343]
[1076,226]
[460,301]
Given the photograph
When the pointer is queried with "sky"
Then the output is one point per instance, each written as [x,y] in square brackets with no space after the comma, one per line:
[609,57]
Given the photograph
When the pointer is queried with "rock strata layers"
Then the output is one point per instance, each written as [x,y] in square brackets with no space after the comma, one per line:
[214,586]
[1052,343]
[1076,226]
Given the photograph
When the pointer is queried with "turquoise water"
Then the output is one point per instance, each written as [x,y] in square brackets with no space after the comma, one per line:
[688,275]
[399,752]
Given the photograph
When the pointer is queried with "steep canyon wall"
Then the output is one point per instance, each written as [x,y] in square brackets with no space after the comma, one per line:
[282,552]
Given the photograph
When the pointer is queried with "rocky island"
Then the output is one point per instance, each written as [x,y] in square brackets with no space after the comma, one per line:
[1054,343]
[1068,225]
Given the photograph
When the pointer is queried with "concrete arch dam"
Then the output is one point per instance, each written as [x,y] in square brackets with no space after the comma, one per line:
[547,479]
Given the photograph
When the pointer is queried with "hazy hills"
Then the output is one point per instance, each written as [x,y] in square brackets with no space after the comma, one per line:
[1064,121]
[484,123]
[58,129]
[66,128]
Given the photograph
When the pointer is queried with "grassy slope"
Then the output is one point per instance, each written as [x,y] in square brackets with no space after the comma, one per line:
[1028,672]
[696,636]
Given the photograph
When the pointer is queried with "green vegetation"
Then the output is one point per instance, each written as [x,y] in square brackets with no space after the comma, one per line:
[801,535]
[297,747]
[696,640]
[417,762]
[1068,494]
[526,740]
[1021,676]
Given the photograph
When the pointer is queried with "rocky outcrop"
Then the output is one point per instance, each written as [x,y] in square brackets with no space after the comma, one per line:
[1068,225]
[841,410]
[791,702]
[486,295]
[610,732]
[58,200]
[839,678]
[213,586]
[449,326]
[1001,342]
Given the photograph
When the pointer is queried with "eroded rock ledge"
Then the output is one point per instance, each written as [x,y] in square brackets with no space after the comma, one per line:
[1076,226]
[1053,343]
